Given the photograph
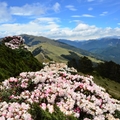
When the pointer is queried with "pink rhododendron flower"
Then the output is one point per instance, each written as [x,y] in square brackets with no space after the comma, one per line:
[43,106]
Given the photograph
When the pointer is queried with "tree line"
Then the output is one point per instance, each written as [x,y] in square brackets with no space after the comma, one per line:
[107,69]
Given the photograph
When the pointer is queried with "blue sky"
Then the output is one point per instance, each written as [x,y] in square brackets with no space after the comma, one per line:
[60,19]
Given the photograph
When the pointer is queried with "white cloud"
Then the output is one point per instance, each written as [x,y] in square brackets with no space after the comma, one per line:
[4,13]
[46,20]
[84,31]
[71,7]
[81,27]
[56,7]
[118,23]
[38,26]
[84,15]
[76,16]
[90,8]
[28,10]
[87,15]
[78,21]
[49,27]
[9,13]
[104,13]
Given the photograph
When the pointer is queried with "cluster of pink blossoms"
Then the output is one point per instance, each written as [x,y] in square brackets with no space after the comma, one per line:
[14,111]
[14,42]
[73,94]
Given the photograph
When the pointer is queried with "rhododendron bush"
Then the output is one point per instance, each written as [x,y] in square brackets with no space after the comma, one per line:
[55,88]
[14,42]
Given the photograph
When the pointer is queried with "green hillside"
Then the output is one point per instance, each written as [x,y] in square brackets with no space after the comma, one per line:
[12,62]
[45,49]
[112,87]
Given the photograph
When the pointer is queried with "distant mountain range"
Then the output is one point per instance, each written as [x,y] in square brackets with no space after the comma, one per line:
[108,48]
[45,49]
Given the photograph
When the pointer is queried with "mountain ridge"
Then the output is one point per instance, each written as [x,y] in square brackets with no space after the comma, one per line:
[104,46]
[52,49]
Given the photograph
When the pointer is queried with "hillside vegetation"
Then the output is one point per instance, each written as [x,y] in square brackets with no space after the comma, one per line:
[15,61]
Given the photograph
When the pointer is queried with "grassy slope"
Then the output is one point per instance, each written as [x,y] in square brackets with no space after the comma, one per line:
[111,86]
[55,51]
